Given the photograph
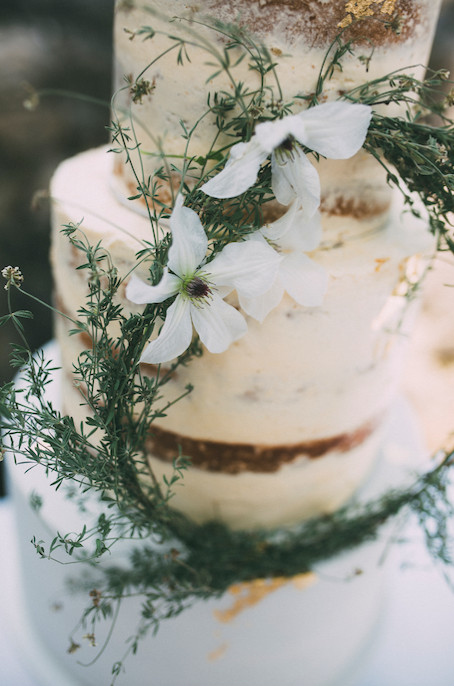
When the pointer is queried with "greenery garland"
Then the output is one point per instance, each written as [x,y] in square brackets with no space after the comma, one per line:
[203,561]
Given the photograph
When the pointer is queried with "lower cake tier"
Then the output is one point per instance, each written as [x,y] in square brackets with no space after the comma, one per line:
[245,496]
[305,631]
[286,423]
[250,485]
[313,629]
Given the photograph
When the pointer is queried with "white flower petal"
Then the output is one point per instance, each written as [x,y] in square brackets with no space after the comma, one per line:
[175,335]
[293,217]
[189,241]
[293,176]
[391,314]
[271,134]
[240,172]
[141,293]
[335,129]
[303,234]
[261,306]
[218,324]
[303,279]
[248,266]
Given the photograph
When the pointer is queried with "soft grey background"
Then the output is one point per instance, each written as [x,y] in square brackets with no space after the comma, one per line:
[50,44]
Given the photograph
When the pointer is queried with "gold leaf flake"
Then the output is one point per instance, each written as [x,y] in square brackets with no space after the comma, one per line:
[360,9]
[218,652]
[249,593]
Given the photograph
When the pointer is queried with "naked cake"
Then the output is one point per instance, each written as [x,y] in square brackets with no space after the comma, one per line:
[286,423]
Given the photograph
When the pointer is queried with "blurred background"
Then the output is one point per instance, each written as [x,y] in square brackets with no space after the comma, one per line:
[62,45]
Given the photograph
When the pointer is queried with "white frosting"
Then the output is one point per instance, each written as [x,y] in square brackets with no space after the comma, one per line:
[429,365]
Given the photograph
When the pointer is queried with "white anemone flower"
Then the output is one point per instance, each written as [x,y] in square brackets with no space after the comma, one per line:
[200,288]
[336,130]
[302,278]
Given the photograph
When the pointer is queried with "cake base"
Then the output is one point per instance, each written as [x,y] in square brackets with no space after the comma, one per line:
[308,632]
[410,646]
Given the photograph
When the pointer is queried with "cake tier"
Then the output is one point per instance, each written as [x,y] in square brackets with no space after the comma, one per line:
[286,423]
[298,34]
[305,631]
[310,630]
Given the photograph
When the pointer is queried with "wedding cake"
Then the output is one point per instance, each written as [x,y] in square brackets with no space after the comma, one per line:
[296,426]
[286,422]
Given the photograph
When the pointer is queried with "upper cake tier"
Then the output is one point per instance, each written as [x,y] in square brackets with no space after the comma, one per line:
[162,88]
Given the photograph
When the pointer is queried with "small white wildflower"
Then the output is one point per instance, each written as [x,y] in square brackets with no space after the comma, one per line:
[13,276]
[336,130]
[200,288]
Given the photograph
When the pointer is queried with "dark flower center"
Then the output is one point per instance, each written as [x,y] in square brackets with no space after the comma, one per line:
[198,288]
[287,144]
